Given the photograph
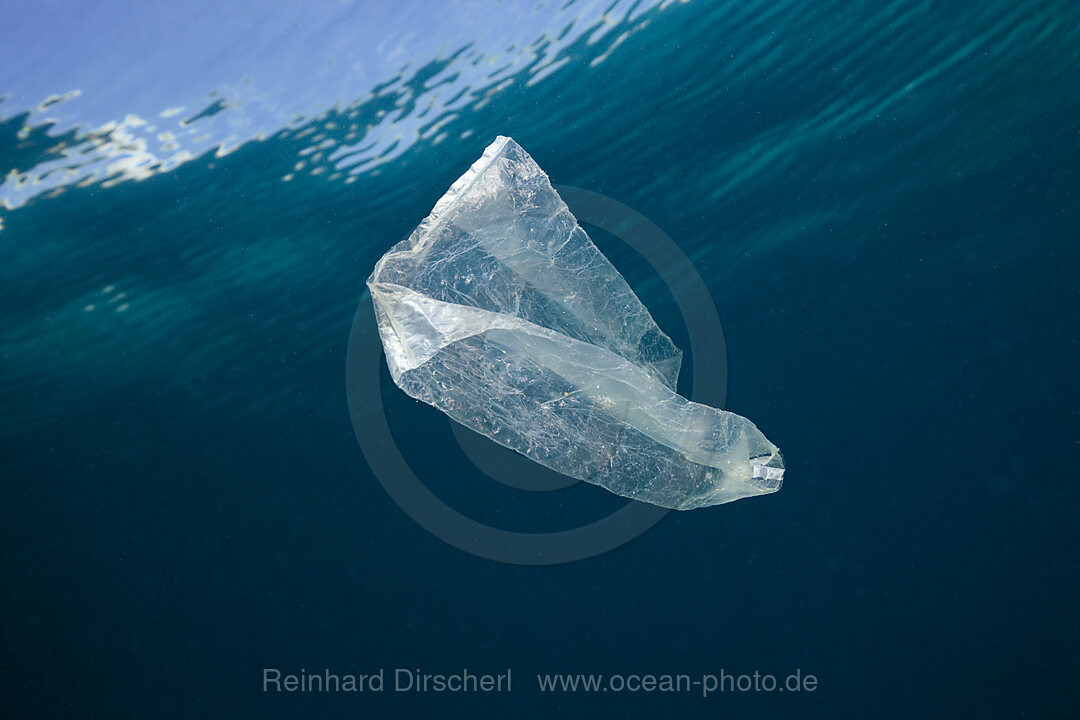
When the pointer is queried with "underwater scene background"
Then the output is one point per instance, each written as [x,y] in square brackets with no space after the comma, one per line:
[881,197]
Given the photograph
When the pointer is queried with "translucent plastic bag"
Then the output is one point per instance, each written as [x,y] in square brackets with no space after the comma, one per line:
[501,312]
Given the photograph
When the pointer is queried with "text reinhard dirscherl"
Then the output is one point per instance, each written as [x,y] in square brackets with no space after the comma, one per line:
[466,681]
[401,680]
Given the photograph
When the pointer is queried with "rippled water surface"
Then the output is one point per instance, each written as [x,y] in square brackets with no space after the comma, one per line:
[882,198]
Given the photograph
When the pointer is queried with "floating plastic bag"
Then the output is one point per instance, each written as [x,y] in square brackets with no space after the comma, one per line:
[500,311]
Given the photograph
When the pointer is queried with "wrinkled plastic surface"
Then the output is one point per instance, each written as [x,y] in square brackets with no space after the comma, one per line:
[501,312]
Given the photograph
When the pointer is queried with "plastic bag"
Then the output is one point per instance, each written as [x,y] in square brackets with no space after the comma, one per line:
[501,312]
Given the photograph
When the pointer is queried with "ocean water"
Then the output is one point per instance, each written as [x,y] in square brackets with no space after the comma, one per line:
[882,199]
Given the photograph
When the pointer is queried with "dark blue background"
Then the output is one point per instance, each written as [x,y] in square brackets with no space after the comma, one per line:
[883,203]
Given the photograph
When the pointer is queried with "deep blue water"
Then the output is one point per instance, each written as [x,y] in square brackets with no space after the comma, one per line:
[882,199]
